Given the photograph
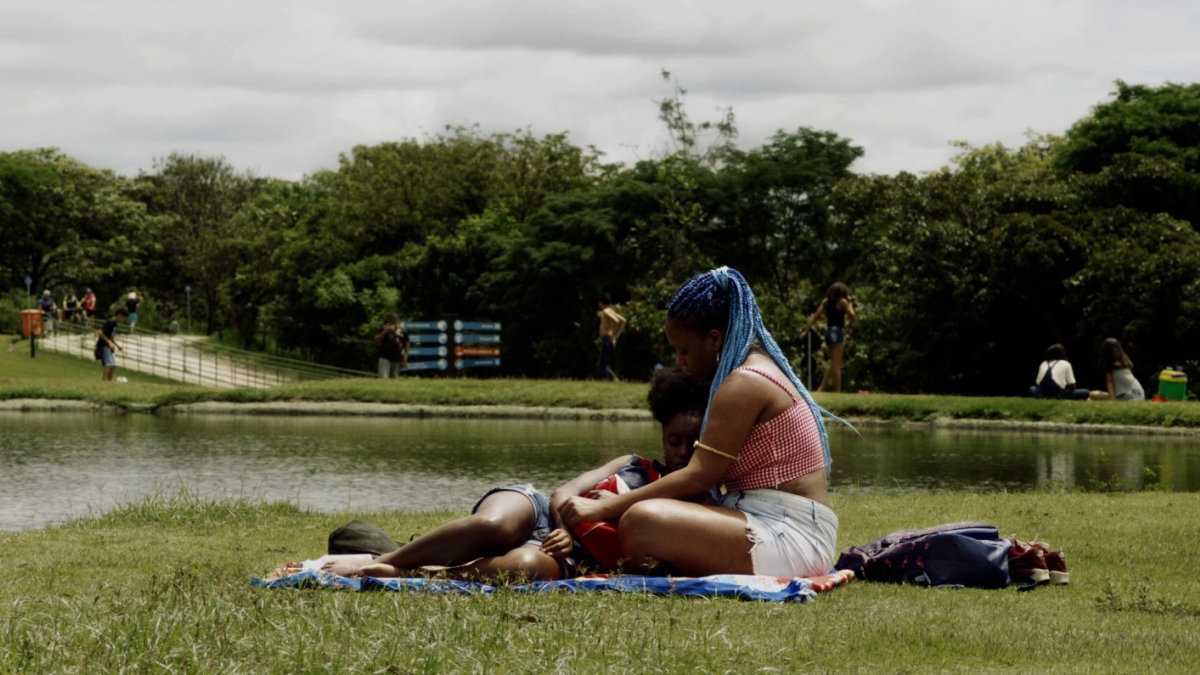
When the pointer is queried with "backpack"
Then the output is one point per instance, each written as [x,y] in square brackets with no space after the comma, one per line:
[954,554]
[392,345]
[359,537]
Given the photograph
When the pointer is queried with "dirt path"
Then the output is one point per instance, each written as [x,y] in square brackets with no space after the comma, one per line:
[175,357]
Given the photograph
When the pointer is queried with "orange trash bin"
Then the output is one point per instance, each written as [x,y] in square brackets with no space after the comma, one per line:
[31,322]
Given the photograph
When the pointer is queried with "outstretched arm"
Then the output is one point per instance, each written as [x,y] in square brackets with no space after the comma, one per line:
[813,319]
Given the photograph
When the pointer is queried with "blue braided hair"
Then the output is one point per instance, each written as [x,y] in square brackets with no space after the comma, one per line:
[721,299]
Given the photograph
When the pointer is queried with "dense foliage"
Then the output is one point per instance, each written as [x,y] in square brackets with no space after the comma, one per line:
[962,276]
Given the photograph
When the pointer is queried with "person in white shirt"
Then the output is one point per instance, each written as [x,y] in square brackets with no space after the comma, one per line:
[1056,377]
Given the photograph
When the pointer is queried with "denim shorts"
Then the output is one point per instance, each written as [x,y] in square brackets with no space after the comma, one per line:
[543,520]
[835,335]
[790,535]
[107,358]
[132,317]
[1135,395]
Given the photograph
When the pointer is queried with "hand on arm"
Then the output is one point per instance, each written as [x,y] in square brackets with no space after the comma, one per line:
[734,411]
[847,308]
[583,484]
[559,543]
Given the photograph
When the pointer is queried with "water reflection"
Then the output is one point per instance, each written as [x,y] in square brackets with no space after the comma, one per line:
[56,466]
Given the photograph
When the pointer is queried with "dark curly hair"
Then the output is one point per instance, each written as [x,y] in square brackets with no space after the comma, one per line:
[673,391]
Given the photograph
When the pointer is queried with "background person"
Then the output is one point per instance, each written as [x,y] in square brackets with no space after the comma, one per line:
[49,313]
[393,344]
[71,309]
[763,449]
[131,308]
[1056,378]
[106,346]
[89,306]
[611,325]
[1117,367]
[837,308]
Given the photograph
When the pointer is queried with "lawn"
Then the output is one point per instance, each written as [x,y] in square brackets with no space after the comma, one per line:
[161,586]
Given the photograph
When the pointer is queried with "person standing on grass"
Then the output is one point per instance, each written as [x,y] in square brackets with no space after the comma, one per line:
[837,308]
[611,325]
[763,453]
[106,346]
[393,344]
[131,309]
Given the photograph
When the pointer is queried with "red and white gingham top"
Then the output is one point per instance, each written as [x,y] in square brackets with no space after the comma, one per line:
[784,447]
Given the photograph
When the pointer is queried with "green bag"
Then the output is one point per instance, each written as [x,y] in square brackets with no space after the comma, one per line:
[359,537]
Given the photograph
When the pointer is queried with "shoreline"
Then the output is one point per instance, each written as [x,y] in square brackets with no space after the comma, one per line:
[424,411]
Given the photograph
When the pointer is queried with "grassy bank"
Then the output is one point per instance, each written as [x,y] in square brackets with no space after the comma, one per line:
[162,586]
[55,376]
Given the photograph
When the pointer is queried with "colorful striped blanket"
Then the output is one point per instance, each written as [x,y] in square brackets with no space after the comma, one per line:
[743,587]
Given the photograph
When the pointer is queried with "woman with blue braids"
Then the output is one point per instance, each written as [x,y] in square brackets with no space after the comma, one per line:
[763,454]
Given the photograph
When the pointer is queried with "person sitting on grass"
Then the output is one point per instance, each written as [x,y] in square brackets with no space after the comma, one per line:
[1056,377]
[1117,367]
[513,532]
[763,449]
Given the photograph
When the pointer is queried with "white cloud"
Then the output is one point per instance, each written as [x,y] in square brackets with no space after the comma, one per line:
[284,87]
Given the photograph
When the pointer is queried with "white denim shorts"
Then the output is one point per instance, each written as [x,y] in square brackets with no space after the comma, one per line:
[791,536]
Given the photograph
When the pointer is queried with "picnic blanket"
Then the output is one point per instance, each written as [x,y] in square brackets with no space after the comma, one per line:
[308,574]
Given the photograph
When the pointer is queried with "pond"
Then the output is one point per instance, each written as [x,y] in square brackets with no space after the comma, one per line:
[58,466]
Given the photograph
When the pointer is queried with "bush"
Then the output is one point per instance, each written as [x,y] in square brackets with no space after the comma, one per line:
[11,304]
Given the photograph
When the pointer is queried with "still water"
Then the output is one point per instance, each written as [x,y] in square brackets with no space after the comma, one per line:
[55,467]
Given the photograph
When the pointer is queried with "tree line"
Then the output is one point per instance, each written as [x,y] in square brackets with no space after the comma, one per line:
[962,276]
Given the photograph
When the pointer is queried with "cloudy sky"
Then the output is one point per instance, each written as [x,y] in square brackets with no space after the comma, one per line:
[281,88]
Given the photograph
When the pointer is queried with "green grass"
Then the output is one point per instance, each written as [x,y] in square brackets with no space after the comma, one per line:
[161,586]
[56,376]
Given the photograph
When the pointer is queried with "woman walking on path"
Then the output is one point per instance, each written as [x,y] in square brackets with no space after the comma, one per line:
[763,454]
[1118,375]
[836,307]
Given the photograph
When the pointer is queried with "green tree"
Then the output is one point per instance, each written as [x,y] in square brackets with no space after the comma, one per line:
[63,222]
[1143,146]
[199,198]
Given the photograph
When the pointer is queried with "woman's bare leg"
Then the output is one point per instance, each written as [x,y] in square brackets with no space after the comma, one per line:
[504,521]
[665,535]
[835,354]
[523,563]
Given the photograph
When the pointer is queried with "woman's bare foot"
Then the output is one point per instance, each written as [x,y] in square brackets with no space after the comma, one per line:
[344,568]
[378,570]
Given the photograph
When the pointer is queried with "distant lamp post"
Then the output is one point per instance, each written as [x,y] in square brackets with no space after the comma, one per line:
[188,289]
